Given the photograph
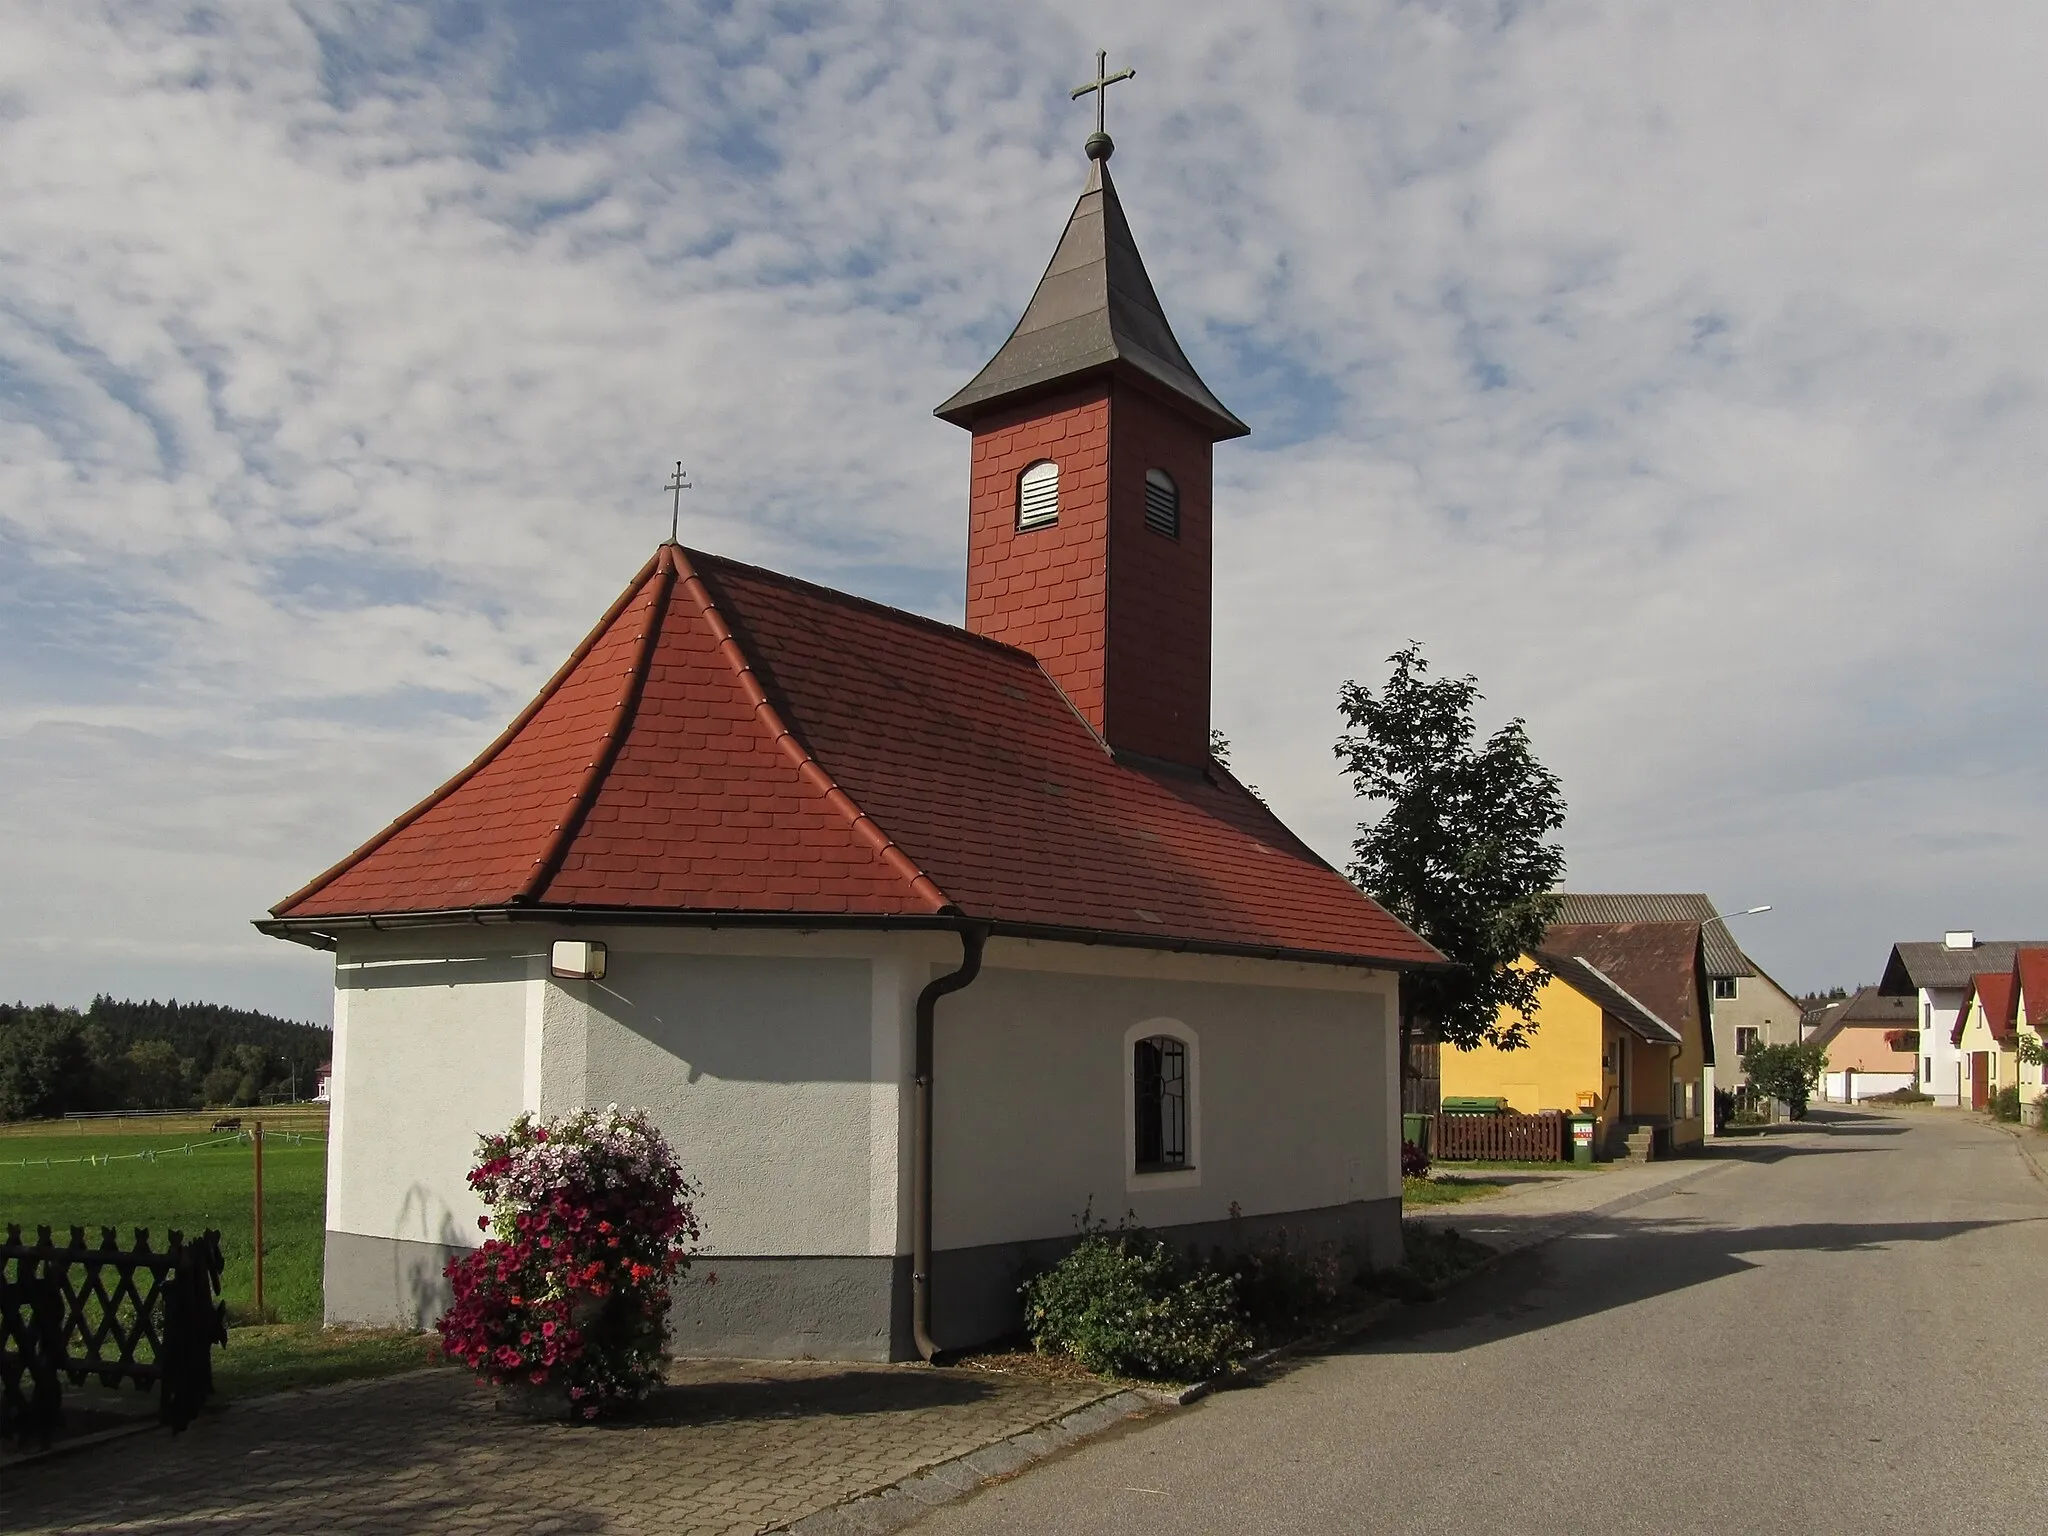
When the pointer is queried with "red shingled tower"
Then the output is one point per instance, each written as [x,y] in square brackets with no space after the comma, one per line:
[1111,590]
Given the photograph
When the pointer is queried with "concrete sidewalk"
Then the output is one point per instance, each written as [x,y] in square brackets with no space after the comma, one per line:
[1522,1218]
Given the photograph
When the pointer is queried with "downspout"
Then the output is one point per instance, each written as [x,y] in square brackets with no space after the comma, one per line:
[972,937]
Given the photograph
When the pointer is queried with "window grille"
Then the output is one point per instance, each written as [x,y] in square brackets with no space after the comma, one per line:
[1038,495]
[1160,1081]
[1162,503]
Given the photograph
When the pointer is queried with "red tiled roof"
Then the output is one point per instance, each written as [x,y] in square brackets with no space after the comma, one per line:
[1996,990]
[2030,969]
[732,740]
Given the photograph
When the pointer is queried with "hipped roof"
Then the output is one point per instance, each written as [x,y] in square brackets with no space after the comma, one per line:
[732,741]
[1094,312]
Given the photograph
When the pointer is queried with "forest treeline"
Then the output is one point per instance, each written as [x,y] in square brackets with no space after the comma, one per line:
[150,1055]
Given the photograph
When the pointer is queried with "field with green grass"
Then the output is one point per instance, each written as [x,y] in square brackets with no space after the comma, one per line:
[177,1174]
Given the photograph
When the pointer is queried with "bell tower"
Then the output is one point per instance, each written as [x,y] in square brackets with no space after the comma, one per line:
[1088,513]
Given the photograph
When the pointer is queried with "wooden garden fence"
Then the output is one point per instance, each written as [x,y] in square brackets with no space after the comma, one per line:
[1537,1138]
[135,1314]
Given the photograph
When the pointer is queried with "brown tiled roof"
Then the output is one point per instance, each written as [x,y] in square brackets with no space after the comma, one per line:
[1657,964]
[730,740]
[1724,956]
[1587,979]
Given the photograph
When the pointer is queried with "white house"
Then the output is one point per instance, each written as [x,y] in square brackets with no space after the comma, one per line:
[918,941]
[1938,975]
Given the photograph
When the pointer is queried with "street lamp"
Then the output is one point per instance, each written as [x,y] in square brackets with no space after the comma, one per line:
[1745,912]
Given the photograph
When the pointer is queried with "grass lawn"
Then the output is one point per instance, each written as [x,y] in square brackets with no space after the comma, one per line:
[281,1355]
[1446,1191]
[68,1177]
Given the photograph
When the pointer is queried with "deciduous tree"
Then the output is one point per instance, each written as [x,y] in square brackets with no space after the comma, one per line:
[1462,850]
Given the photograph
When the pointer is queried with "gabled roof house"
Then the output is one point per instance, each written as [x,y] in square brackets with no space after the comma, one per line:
[1621,1031]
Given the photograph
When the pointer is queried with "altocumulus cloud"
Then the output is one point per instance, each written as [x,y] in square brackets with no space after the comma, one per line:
[1677,369]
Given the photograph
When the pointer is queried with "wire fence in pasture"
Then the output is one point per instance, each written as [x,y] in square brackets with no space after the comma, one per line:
[156,1154]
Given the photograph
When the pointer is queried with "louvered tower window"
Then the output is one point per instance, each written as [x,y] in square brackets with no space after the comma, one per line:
[1162,503]
[1038,495]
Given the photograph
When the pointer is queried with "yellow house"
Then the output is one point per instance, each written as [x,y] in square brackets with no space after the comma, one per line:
[1619,1031]
[2030,1019]
[1985,1035]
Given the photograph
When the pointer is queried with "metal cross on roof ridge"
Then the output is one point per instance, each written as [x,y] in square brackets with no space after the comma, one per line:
[679,483]
[1100,140]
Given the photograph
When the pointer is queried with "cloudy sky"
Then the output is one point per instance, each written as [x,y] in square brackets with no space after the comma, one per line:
[1677,369]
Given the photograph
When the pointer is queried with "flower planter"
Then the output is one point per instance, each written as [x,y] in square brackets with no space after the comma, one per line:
[547,1403]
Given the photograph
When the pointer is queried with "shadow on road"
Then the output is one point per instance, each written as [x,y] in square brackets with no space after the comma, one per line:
[1552,1284]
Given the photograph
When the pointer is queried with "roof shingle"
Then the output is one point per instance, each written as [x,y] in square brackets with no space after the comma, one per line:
[733,740]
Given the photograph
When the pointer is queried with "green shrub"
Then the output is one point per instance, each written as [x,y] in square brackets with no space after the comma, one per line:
[1433,1257]
[1279,1287]
[1125,1303]
[2005,1104]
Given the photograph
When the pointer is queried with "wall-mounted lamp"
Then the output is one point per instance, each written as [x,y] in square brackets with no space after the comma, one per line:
[576,960]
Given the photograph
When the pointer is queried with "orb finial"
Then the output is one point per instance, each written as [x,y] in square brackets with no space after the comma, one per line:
[1100,145]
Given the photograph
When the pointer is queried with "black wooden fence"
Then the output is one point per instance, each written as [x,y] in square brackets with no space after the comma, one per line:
[141,1315]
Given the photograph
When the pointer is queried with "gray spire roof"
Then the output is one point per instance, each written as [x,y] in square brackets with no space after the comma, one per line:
[1094,312]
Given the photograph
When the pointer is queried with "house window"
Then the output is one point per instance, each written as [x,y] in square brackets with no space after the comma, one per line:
[1927,1069]
[1159,1085]
[1162,503]
[1724,988]
[1038,495]
[1746,1039]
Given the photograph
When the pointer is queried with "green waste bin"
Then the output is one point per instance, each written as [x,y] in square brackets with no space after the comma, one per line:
[1415,1130]
[1473,1105]
[1581,1149]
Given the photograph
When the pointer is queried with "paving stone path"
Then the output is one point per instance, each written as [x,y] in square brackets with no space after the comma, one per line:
[729,1447]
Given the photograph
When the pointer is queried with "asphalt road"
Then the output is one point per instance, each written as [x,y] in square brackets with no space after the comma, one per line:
[1841,1330]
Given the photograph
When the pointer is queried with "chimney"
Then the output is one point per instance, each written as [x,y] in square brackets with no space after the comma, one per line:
[1959,938]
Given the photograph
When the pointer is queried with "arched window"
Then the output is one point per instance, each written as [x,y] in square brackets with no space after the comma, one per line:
[1038,495]
[1159,1084]
[1162,503]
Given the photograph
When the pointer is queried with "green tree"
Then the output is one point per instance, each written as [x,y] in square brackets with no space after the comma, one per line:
[1788,1072]
[1462,851]
[45,1068]
[157,1077]
[238,1077]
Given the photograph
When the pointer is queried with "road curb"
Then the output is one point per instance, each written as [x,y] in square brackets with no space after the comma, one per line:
[2019,1141]
[895,1505]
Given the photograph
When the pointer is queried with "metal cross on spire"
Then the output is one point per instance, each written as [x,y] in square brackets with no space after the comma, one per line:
[1100,146]
[679,483]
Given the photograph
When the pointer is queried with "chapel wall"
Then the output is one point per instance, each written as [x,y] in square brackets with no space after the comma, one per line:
[1294,1098]
[429,1053]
